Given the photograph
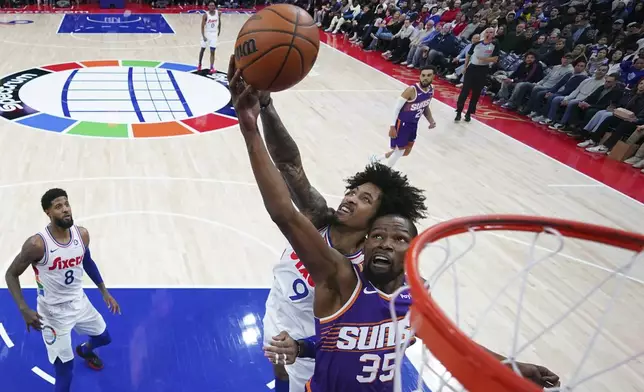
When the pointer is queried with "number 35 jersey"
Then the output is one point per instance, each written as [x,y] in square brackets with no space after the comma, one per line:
[357,346]
[59,274]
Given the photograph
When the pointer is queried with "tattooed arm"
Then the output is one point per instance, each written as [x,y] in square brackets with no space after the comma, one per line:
[286,155]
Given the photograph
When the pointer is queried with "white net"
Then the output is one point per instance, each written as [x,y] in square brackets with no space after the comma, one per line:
[573,306]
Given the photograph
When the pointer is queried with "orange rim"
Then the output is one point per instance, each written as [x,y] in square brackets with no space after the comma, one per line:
[474,368]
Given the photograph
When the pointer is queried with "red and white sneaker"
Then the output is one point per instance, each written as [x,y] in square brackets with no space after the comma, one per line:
[212,70]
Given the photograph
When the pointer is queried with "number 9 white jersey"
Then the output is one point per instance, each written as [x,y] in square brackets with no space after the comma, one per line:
[59,275]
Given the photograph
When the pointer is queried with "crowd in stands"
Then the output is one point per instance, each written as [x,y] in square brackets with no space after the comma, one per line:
[575,66]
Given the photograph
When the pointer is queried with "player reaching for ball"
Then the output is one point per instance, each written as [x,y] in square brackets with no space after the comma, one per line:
[290,301]
[410,107]
[210,30]
[58,255]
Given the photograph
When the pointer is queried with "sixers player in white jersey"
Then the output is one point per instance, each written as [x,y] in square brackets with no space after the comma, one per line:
[344,295]
[59,256]
[410,107]
[210,30]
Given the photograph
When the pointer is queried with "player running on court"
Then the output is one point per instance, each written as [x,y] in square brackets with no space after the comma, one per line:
[348,358]
[412,104]
[289,306]
[210,30]
[58,255]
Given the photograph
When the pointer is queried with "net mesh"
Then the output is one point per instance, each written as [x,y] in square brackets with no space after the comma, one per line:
[539,297]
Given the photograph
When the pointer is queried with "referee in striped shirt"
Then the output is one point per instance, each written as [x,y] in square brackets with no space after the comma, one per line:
[477,66]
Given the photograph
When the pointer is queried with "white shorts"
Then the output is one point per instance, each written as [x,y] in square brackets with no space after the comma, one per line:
[211,41]
[79,315]
[275,321]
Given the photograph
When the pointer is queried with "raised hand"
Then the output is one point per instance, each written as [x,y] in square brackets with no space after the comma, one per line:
[245,98]
[539,375]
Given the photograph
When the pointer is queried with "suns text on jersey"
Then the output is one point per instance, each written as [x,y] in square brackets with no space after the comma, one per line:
[372,337]
[419,105]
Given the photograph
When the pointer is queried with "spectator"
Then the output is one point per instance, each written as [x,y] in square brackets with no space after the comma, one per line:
[457,63]
[632,72]
[553,57]
[597,59]
[414,46]
[523,78]
[602,100]
[539,111]
[339,20]
[441,46]
[614,65]
[571,100]
[623,123]
[460,25]
[637,160]
[471,27]
[403,34]
[554,78]
[449,15]
[513,39]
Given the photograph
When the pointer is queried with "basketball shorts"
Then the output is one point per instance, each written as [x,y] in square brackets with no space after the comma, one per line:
[210,42]
[276,319]
[79,315]
[406,135]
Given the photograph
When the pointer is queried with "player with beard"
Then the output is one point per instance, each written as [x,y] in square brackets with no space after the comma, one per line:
[58,255]
[289,306]
[410,107]
[351,306]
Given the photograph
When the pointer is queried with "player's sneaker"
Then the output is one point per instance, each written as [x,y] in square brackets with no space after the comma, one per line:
[212,70]
[91,359]
[373,159]
[199,68]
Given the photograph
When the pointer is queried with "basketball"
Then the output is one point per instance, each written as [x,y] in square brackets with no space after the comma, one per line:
[277,47]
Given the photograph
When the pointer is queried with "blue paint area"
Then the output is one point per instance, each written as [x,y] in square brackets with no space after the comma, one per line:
[47,122]
[179,94]
[114,24]
[166,340]
[63,95]
[130,86]
[178,67]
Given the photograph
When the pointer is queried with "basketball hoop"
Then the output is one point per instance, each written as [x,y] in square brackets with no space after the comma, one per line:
[468,363]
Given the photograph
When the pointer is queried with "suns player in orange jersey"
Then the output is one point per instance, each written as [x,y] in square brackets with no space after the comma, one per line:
[340,302]
[58,255]
[210,30]
[289,306]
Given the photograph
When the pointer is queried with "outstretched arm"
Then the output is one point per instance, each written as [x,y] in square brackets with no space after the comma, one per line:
[33,250]
[94,274]
[326,265]
[286,155]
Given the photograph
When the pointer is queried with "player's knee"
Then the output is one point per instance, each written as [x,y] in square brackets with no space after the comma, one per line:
[280,372]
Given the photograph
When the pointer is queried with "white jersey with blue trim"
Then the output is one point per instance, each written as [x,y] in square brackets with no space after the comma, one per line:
[59,274]
[297,287]
[212,23]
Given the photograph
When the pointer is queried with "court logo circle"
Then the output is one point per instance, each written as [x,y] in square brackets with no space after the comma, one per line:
[118,99]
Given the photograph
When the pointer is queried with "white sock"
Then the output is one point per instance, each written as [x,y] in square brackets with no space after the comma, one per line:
[395,156]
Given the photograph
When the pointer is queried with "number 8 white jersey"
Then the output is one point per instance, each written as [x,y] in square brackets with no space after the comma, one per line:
[59,275]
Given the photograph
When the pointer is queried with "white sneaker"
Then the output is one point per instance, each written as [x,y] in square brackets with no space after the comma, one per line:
[373,159]
[545,121]
[556,126]
[586,143]
[632,160]
[403,63]
[410,65]
[639,165]
[601,149]
[537,119]
[451,77]
[532,114]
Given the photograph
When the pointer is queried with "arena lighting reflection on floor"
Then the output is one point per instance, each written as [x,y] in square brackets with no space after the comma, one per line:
[166,340]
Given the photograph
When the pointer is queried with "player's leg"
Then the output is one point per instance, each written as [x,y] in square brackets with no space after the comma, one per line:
[411,141]
[272,328]
[201,52]
[56,334]
[406,134]
[91,323]
[212,60]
